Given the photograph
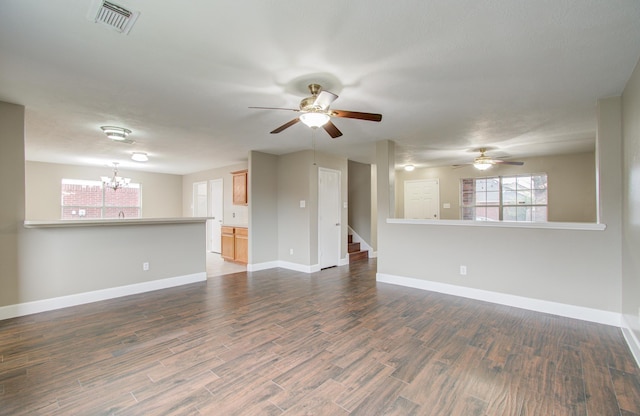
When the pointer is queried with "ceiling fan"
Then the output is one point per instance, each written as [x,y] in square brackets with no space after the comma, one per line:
[315,112]
[484,162]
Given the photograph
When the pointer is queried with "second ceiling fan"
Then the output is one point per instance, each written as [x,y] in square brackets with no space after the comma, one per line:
[484,162]
[315,112]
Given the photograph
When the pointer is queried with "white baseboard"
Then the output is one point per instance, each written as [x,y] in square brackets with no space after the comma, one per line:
[28,308]
[554,308]
[632,340]
[303,268]
[262,266]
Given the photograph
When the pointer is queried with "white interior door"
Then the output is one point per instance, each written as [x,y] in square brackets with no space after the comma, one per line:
[214,224]
[329,228]
[422,199]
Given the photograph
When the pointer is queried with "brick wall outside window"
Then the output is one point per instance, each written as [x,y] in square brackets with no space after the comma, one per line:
[82,199]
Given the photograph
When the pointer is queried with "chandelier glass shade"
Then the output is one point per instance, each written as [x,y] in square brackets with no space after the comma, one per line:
[115,182]
[314,119]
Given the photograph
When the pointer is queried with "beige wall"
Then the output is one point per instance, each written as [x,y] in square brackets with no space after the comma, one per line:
[572,185]
[631,204]
[294,223]
[233,214]
[12,206]
[360,200]
[281,182]
[263,208]
[298,227]
[51,263]
[572,267]
[161,193]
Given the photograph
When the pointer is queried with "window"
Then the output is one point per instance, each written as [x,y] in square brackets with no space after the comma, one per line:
[520,198]
[83,199]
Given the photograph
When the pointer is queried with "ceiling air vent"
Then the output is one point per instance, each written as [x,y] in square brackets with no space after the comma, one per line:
[112,15]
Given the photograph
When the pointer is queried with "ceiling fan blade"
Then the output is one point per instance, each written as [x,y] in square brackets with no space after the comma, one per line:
[324,99]
[331,128]
[355,114]
[286,125]
[506,162]
[276,108]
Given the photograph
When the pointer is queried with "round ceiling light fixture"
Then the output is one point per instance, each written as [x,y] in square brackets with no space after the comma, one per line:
[116,133]
[409,168]
[139,156]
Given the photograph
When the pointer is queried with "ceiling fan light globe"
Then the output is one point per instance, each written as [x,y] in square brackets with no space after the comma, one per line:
[314,119]
[482,165]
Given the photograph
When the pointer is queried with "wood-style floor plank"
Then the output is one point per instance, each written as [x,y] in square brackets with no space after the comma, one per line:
[335,342]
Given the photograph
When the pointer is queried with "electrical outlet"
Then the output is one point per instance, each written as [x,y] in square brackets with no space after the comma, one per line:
[463,270]
[291,251]
[145,266]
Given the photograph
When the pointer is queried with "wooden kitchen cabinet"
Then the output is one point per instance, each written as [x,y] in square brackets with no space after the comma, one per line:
[242,245]
[240,196]
[235,244]
[228,249]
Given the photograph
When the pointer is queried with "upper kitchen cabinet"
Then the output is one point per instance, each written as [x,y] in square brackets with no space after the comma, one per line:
[240,187]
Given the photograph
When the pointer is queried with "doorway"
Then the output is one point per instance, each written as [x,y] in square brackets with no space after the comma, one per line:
[214,223]
[329,218]
[422,199]
[199,204]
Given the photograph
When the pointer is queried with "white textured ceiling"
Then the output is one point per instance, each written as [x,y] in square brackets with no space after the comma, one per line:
[521,77]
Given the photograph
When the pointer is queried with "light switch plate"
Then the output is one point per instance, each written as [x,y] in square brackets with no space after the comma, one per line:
[303,203]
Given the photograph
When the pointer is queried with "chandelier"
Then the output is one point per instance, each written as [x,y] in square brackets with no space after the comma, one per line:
[115,182]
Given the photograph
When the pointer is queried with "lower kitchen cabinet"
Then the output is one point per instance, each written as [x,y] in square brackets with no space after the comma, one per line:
[235,244]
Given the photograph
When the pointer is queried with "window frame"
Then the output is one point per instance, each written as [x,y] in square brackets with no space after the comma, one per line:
[469,188]
[103,207]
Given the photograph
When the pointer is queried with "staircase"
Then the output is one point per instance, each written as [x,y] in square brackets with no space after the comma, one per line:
[355,254]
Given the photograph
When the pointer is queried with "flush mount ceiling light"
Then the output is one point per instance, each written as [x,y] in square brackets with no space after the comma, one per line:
[116,133]
[115,182]
[314,119]
[409,168]
[139,156]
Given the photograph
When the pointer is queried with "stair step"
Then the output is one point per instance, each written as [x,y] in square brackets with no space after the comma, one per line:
[353,247]
[350,238]
[358,256]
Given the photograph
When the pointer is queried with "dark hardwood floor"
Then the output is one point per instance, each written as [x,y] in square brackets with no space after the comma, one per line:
[278,342]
